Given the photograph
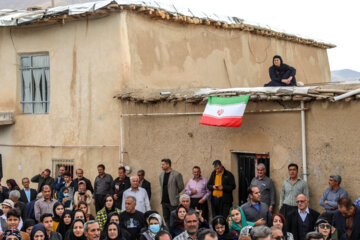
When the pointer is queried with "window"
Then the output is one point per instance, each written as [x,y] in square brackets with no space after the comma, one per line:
[57,163]
[35,83]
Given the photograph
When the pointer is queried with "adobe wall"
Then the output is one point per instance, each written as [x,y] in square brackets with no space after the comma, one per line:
[85,74]
[171,55]
[92,60]
[331,130]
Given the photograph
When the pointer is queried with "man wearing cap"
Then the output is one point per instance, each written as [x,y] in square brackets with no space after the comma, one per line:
[6,206]
[333,194]
[221,184]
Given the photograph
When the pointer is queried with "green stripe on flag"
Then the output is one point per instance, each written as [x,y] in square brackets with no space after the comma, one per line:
[228,100]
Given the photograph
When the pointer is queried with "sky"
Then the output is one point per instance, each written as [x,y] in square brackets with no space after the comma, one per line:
[336,22]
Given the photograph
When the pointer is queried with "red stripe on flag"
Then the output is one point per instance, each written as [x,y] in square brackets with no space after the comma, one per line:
[221,122]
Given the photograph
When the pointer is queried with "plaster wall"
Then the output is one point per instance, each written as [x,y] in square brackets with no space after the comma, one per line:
[331,130]
[92,60]
[85,58]
[171,55]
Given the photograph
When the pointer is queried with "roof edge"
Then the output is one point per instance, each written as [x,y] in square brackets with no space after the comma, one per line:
[154,10]
[200,95]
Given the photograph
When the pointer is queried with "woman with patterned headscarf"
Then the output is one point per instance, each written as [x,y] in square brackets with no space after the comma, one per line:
[281,74]
[11,234]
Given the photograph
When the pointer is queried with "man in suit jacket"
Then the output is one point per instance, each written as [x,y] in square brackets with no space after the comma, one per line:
[27,194]
[172,184]
[144,183]
[302,221]
[221,184]
[347,219]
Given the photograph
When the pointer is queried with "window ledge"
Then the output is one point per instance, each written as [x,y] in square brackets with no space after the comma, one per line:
[6,118]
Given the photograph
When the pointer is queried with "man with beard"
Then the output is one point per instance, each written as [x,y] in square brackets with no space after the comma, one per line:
[347,219]
[255,210]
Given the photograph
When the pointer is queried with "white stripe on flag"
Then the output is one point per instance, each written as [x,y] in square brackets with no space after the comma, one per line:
[220,111]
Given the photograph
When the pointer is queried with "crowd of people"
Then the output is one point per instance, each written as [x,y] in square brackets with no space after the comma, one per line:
[61,208]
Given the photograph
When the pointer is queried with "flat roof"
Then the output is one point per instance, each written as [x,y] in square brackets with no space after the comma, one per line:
[321,92]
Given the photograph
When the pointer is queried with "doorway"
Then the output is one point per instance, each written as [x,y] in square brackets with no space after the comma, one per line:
[247,163]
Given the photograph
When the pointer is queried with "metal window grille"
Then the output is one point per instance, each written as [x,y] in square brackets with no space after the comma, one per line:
[57,163]
[35,83]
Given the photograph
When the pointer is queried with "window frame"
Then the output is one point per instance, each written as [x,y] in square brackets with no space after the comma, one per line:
[45,84]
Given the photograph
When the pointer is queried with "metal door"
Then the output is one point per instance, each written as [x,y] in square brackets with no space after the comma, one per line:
[247,163]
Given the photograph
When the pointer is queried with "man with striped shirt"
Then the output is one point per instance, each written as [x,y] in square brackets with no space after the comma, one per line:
[291,188]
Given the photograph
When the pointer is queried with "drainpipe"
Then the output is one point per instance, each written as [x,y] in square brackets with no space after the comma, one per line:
[121,152]
[345,95]
[303,138]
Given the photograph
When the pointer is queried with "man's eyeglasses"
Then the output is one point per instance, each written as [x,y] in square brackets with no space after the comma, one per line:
[322,226]
[300,201]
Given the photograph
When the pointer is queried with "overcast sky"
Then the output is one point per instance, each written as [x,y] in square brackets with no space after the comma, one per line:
[332,21]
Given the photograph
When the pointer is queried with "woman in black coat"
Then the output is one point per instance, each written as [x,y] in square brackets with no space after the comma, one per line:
[65,223]
[281,74]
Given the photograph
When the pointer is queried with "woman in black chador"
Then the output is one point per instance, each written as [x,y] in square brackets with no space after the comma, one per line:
[281,74]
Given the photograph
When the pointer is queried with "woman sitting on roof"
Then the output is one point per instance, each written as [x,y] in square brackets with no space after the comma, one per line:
[281,74]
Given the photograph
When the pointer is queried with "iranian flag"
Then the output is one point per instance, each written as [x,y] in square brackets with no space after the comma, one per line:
[225,111]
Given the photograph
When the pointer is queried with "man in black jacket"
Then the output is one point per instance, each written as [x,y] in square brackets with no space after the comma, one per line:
[119,185]
[144,183]
[80,177]
[221,184]
[27,194]
[347,219]
[302,221]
